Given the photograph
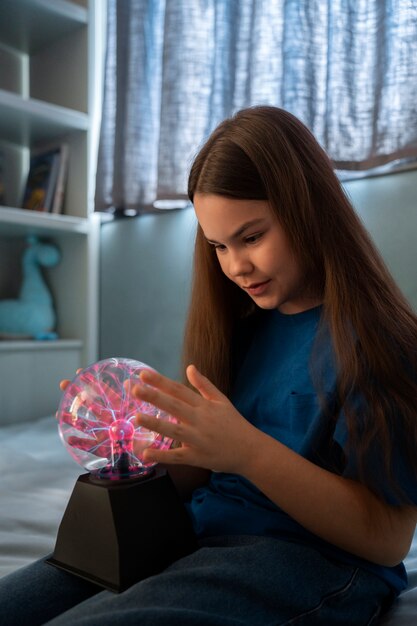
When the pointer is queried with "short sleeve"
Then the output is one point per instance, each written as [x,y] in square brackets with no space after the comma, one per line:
[396,485]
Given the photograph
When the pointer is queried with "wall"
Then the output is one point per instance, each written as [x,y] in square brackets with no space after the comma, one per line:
[145,274]
[388,208]
[145,268]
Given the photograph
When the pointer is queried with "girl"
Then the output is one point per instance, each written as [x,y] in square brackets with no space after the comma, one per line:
[301,400]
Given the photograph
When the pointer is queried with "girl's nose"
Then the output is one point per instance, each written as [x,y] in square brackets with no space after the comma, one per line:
[239,264]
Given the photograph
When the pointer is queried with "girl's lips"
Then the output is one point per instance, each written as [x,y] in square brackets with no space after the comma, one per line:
[257,289]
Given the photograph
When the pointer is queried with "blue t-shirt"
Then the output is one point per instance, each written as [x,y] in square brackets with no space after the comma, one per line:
[274,389]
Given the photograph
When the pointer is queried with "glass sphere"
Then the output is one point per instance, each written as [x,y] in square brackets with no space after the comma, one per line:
[96,420]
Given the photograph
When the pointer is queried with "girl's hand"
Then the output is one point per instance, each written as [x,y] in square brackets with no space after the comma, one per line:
[97,442]
[213,434]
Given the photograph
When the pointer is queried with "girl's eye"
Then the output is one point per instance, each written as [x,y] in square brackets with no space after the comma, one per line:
[253,238]
[219,247]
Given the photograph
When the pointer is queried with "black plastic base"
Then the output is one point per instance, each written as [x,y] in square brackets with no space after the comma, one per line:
[115,533]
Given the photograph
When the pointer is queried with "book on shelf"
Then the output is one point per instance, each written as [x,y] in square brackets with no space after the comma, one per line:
[45,185]
[61,181]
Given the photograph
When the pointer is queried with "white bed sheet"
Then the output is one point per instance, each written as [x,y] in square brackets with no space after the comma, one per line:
[36,480]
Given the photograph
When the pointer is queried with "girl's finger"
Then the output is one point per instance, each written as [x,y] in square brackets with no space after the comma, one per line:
[64,383]
[175,456]
[170,387]
[203,385]
[165,402]
[172,430]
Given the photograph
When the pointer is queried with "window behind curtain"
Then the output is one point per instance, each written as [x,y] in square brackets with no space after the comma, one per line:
[175,68]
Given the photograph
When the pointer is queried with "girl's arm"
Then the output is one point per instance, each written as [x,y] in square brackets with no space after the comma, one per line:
[342,511]
[214,435]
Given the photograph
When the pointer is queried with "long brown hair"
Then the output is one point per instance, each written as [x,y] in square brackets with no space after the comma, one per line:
[265,153]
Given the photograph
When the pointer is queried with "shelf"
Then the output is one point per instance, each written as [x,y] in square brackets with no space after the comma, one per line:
[25,121]
[17,222]
[48,51]
[30,25]
[30,344]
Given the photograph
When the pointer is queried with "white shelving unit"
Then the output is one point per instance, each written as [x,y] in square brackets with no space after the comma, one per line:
[47,61]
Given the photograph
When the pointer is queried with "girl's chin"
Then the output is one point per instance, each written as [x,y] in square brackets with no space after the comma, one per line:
[266,303]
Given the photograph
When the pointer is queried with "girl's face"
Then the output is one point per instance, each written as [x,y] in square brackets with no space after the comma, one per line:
[253,251]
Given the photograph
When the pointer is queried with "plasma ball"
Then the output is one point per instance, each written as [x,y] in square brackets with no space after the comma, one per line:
[96,418]
[121,430]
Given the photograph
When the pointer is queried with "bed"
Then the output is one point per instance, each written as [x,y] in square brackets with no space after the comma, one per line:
[37,477]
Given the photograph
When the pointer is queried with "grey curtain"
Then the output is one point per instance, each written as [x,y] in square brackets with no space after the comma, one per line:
[175,68]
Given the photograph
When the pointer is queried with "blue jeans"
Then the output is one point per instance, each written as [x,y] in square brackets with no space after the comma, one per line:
[229,581]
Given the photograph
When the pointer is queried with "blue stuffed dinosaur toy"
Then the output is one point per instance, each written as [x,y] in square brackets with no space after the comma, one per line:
[32,314]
